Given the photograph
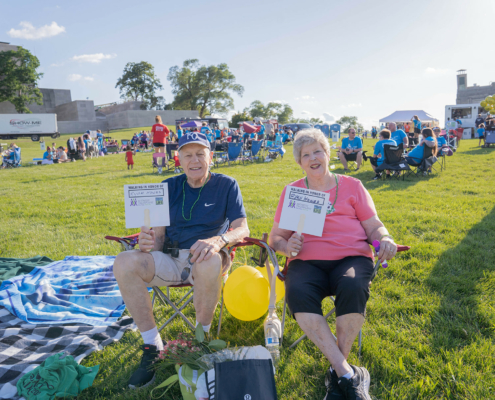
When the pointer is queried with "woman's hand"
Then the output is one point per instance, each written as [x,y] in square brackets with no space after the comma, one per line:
[388,249]
[294,244]
[146,239]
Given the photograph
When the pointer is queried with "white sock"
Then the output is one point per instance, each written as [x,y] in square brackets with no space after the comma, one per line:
[153,337]
[349,375]
[206,328]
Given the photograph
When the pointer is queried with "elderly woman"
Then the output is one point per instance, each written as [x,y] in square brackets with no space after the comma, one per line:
[338,263]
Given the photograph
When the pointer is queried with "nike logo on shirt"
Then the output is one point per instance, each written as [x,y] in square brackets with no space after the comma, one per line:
[207,205]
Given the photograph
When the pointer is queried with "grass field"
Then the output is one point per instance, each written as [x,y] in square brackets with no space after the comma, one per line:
[430,329]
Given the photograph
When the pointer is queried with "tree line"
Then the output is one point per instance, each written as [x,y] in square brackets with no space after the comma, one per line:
[205,88]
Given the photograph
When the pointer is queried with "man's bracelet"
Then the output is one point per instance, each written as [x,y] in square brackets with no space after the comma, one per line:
[390,236]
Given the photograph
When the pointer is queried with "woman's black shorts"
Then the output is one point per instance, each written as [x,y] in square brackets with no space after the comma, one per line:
[158,144]
[309,282]
[417,130]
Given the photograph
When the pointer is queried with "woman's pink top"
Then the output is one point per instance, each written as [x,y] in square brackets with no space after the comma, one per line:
[343,234]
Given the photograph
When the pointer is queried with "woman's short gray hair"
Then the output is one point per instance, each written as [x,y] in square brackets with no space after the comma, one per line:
[309,136]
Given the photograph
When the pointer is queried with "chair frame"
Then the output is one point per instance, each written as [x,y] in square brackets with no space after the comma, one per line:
[392,161]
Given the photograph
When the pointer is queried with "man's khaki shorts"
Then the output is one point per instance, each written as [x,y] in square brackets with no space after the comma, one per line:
[168,270]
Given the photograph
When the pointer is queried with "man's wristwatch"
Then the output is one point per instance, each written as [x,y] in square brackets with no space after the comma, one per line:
[224,238]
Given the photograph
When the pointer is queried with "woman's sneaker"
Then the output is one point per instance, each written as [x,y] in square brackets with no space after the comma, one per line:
[145,374]
[356,388]
[332,384]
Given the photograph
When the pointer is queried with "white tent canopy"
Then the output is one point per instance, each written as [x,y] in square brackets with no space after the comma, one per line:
[406,115]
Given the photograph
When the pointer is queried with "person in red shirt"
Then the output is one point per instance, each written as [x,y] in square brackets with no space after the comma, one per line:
[129,156]
[159,134]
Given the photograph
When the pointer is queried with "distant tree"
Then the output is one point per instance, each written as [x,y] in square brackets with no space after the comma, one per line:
[314,121]
[19,78]
[156,103]
[283,112]
[349,122]
[239,117]
[204,88]
[139,82]
[285,115]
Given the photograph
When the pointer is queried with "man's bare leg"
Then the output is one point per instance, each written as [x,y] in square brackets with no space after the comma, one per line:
[359,159]
[133,271]
[343,160]
[207,277]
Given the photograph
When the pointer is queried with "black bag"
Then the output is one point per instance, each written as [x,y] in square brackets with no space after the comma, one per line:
[244,380]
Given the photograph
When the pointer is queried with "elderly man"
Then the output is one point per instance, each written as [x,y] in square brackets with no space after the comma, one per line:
[398,135]
[351,150]
[203,206]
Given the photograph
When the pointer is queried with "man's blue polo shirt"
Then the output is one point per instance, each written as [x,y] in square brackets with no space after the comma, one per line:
[354,144]
[218,206]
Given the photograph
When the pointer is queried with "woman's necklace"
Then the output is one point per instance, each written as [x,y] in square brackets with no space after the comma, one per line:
[336,189]
[184,197]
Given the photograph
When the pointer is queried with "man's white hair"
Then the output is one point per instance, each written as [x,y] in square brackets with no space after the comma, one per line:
[309,136]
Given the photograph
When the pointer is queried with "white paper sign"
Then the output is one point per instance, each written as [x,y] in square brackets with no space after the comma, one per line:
[335,136]
[299,201]
[151,196]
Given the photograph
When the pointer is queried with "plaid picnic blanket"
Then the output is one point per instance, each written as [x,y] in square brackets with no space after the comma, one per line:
[81,290]
[25,346]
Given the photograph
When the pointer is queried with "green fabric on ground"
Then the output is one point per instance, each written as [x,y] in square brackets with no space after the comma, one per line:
[57,376]
[10,267]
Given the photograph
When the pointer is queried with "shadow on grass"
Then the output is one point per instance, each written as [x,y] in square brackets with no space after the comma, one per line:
[459,276]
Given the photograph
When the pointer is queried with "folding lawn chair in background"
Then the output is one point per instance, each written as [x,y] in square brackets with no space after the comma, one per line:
[425,167]
[163,157]
[130,242]
[255,149]
[394,161]
[332,299]
[234,153]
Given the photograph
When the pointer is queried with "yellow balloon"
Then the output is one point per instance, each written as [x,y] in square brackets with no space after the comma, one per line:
[246,294]
[279,286]
[490,100]
[483,103]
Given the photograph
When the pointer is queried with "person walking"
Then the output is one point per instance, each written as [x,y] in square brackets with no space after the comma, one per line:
[129,156]
[159,134]
[417,129]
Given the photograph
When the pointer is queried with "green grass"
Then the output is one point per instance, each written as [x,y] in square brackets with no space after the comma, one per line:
[429,332]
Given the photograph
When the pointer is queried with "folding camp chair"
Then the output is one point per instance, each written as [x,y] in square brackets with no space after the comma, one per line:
[130,242]
[332,298]
[255,149]
[394,161]
[426,165]
[156,157]
[235,153]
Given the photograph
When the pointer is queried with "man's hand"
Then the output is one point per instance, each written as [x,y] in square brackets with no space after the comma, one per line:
[203,249]
[146,239]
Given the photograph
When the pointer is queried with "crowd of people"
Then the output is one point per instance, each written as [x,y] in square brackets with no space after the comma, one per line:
[483,127]
[411,137]
[9,155]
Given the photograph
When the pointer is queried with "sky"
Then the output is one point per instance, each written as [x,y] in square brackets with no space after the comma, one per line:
[325,58]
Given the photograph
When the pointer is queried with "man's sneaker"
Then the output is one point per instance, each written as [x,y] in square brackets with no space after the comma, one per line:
[357,387]
[332,384]
[377,176]
[145,374]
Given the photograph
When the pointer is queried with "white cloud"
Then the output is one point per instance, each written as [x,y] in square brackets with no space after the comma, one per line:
[94,58]
[56,65]
[328,117]
[78,77]
[279,101]
[29,32]
[307,97]
[352,105]
[436,71]
[305,112]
